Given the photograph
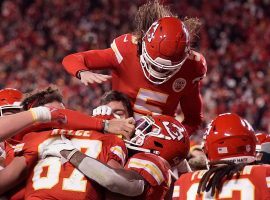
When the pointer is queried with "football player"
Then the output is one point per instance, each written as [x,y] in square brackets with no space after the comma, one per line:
[50,179]
[230,145]
[73,119]
[160,142]
[155,66]
[9,104]
[42,114]
[114,103]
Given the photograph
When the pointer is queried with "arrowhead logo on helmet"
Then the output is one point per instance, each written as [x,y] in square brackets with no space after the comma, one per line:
[162,135]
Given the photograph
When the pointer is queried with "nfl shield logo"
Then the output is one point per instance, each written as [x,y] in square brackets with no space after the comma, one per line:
[179,84]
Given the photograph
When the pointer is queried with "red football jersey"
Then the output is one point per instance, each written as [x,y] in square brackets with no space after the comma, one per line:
[155,170]
[50,179]
[253,184]
[11,148]
[147,98]
[14,145]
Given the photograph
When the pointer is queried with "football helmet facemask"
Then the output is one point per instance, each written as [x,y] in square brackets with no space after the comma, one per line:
[10,100]
[161,135]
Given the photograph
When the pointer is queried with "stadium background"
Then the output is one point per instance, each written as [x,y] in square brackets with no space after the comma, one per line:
[235,39]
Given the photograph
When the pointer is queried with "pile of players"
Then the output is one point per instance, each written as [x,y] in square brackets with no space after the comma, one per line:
[51,152]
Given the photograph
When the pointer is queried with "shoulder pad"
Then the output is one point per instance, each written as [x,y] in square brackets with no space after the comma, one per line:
[122,45]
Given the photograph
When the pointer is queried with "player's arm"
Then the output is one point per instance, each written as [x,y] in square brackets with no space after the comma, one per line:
[64,119]
[12,124]
[13,174]
[125,182]
[191,105]
[89,60]
[191,102]
[80,64]
[80,121]
[116,180]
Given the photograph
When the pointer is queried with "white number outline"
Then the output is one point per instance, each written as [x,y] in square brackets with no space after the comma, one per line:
[54,168]
[142,106]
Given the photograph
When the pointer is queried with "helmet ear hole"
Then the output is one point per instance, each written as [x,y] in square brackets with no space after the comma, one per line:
[157,144]
[222,142]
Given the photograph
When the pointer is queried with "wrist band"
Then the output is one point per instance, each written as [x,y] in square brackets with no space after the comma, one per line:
[105,125]
[71,154]
[33,114]
[78,74]
[41,114]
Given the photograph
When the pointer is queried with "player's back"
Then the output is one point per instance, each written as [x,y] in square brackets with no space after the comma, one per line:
[155,170]
[253,184]
[50,179]
[148,97]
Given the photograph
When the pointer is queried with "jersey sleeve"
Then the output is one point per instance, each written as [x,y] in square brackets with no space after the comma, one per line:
[191,106]
[77,120]
[199,65]
[117,150]
[109,58]
[191,103]
[89,60]
[148,168]
[122,46]
[29,149]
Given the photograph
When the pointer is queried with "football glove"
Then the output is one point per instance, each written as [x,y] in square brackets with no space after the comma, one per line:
[102,110]
[56,147]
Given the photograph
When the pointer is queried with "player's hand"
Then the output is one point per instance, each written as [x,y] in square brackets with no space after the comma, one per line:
[58,115]
[102,110]
[47,114]
[56,147]
[124,127]
[88,77]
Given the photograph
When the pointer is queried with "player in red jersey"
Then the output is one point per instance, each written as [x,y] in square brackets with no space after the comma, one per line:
[44,114]
[41,114]
[8,124]
[107,148]
[9,104]
[51,179]
[230,145]
[159,143]
[155,66]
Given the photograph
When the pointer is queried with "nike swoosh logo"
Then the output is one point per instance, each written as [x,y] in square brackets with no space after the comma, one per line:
[125,39]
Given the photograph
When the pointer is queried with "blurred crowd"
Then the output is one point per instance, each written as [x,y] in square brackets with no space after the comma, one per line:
[36,34]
